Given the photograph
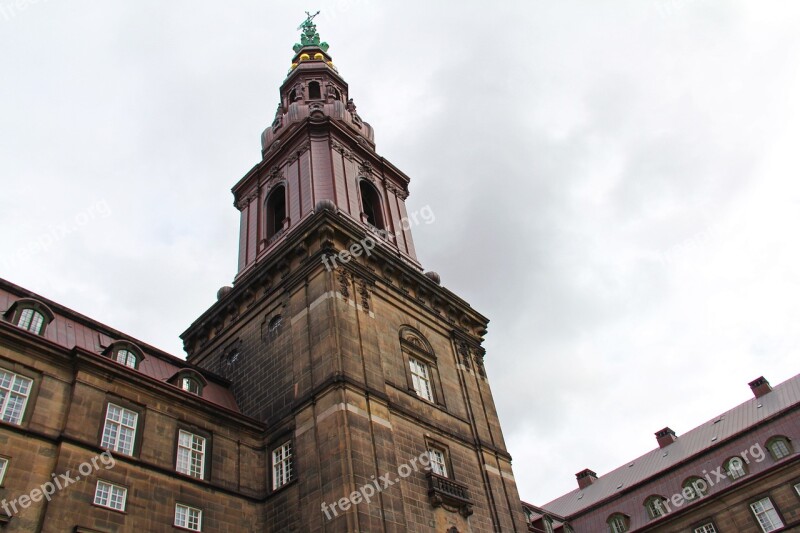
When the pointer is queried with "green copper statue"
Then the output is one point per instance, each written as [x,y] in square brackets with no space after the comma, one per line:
[309,37]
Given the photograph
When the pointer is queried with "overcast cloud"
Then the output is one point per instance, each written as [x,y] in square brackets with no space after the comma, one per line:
[615,185]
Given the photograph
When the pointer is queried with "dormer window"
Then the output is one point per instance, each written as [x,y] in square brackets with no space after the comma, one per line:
[126,357]
[31,320]
[372,213]
[314,91]
[125,353]
[189,380]
[191,385]
[30,315]
[276,211]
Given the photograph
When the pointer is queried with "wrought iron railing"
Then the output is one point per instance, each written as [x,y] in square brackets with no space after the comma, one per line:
[449,493]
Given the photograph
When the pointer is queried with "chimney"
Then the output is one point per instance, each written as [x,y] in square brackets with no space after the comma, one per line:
[760,387]
[665,437]
[585,478]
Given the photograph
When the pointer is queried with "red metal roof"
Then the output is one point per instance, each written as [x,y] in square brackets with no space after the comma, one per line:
[715,433]
[71,329]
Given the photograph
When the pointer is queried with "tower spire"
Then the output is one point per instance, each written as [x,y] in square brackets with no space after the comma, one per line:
[309,37]
[310,47]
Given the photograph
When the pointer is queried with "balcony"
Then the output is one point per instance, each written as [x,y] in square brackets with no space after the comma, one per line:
[449,494]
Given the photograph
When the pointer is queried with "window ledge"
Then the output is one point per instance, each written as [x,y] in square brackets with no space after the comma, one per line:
[284,486]
[106,508]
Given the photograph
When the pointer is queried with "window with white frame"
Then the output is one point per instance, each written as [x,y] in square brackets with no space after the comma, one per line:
[617,523]
[779,447]
[110,495]
[191,454]
[3,468]
[694,488]
[31,320]
[188,517]
[282,465]
[120,429]
[14,392]
[421,378]
[548,524]
[190,384]
[438,461]
[734,467]
[127,357]
[706,528]
[655,507]
[766,515]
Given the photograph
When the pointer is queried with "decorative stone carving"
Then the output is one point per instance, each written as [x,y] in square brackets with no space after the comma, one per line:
[298,92]
[278,122]
[363,291]
[479,364]
[463,351]
[347,154]
[351,107]
[300,151]
[274,174]
[365,169]
[343,278]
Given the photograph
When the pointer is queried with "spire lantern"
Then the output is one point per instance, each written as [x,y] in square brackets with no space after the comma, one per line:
[310,47]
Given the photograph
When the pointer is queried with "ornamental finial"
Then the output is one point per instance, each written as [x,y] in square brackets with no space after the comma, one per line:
[309,37]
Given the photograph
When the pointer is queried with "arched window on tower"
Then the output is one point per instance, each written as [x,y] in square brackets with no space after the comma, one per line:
[276,211]
[314,92]
[371,205]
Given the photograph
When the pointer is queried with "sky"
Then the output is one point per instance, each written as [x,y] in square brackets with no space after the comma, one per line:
[614,185]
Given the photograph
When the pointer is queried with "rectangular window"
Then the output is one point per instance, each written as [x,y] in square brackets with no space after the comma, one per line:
[14,391]
[188,517]
[282,465]
[438,461]
[110,495]
[3,468]
[706,528]
[766,515]
[120,429]
[191,454]
[420,378]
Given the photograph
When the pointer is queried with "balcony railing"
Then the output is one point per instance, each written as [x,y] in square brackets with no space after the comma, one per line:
[450,494]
